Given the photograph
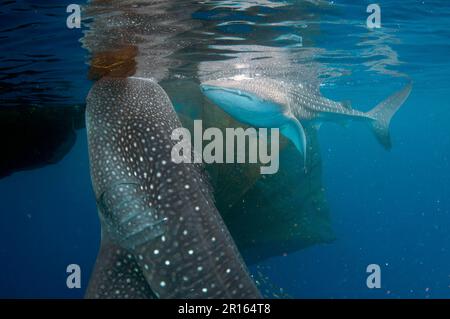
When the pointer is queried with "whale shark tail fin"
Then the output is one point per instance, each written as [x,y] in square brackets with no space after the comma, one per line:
[382,114]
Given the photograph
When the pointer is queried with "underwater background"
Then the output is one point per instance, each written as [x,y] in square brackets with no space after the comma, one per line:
[389,208]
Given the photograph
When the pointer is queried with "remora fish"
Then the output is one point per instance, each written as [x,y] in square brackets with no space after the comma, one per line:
[264,102]
[161,233]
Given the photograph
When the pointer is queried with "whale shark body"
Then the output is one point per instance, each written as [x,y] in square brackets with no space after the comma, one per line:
[161,233]
[264,102]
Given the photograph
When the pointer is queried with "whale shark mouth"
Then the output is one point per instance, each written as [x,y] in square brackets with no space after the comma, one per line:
[242,105]
[209,90]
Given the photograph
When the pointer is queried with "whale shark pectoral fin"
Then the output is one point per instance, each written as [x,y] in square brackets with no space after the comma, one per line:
[293,130]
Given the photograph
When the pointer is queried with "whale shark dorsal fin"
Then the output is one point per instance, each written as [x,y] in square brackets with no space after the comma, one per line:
[347,104]
[293,130]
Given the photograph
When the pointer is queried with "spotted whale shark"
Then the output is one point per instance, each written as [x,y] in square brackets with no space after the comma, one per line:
[265,102]
[162,236]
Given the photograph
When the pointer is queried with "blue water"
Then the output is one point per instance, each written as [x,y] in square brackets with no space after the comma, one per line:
[388,208]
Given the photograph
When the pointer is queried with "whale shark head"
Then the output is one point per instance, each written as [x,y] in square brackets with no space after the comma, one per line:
[257,102]
[242,98]
[231,98]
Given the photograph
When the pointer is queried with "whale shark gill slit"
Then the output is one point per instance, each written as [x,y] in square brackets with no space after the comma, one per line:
[131,221]
[161,232]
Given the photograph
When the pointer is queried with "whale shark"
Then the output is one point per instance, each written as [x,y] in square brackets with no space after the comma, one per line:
[162,236]
[265,102]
